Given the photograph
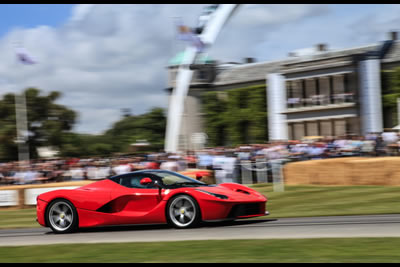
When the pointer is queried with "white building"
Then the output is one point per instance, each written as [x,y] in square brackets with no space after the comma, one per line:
[311,92]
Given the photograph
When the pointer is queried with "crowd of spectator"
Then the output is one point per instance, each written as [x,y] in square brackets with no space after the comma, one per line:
[225,162]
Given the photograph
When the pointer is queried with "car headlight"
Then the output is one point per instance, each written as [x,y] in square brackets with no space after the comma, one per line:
[213,194]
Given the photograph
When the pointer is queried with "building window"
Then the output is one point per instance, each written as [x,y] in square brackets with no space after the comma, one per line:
[298,130]
[202,75]
[310,91]
[331,92]
[324,90]
[338,89]
[340,127]
[353,125]
[290,98]
[290,131]
[326,128]
[295,94]
[312,128]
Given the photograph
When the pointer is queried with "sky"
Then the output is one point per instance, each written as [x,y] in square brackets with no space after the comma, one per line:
[105,58]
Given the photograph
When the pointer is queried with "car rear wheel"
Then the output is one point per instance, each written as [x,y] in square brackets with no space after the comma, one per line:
[183,212]
[61,216]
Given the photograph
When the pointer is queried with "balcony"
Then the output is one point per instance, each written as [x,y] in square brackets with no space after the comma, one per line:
[321,100]
[317,102]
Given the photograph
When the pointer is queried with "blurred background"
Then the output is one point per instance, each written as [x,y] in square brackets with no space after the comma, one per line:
[299,101]
[91,87]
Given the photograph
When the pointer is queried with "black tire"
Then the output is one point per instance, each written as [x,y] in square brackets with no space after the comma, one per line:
[61,216]
[183,211]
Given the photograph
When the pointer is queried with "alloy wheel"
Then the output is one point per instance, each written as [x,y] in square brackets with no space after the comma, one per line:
[61,216]
[183,211]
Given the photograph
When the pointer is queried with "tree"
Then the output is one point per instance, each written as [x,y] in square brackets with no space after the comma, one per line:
[47,122]
[390,93]
[118,139]
[85,145]
[216,121]
[236,116]
[149,126]
[51,124]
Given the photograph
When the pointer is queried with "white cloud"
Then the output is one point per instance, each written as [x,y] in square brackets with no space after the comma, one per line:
[104,58]
[374,27]
[259,24]
[79,12]
[108,57]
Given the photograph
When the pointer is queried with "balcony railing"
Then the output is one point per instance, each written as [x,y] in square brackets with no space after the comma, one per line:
[321,100]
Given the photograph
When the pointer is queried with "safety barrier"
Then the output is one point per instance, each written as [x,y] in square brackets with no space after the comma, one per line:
[252,172]
[247,172]
[24,196]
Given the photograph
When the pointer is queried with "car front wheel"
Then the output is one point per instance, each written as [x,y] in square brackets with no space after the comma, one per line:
[61,216]
[183,212]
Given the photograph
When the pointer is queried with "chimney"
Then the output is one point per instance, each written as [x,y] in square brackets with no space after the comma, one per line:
[322,47]
[393,35]
[248,60]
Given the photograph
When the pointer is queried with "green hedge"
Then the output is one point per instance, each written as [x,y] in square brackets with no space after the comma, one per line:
[236,116]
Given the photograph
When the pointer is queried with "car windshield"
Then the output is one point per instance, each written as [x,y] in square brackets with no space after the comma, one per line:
[173,180]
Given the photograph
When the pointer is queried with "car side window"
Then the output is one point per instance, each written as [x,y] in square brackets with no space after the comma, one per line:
[133,181]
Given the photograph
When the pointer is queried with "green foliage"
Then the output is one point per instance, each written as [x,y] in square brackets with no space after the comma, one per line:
[51,124]
[215,108]
[390,87]
[149,126]
[236,116]
[47,122]
[83,145]
[391,91]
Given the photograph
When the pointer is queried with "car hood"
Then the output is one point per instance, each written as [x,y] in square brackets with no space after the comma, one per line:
[234,192]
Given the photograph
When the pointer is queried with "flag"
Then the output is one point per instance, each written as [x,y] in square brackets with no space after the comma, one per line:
[186,34]
[24,57]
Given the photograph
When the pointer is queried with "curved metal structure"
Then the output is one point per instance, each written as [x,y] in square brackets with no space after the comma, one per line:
[175,110]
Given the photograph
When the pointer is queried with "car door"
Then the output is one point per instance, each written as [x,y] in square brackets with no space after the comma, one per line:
[136,202]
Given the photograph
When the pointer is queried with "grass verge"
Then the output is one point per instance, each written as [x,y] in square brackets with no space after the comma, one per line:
[340,250]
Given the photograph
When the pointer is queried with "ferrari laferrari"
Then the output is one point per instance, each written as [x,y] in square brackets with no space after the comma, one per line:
[147,197]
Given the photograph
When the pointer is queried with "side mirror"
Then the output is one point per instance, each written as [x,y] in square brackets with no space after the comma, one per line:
[198,176]
[146,181]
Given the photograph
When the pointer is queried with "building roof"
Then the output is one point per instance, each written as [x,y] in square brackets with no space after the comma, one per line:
[247,72]
[393,54]
[177,59]
[257,71]
[229,74]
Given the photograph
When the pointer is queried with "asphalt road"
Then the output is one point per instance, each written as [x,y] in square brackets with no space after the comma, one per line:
[264,228]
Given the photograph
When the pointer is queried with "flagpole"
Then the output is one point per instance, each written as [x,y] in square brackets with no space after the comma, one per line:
[22,128]
[21,113]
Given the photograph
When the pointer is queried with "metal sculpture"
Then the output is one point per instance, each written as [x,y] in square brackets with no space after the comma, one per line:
[210,23]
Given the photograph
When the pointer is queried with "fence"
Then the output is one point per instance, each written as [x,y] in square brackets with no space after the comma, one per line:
[246,172]
[21,196]
[254,172]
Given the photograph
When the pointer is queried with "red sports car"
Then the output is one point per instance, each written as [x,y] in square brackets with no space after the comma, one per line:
[147,197]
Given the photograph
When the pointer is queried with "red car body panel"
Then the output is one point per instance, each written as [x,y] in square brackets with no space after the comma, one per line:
[109,203]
